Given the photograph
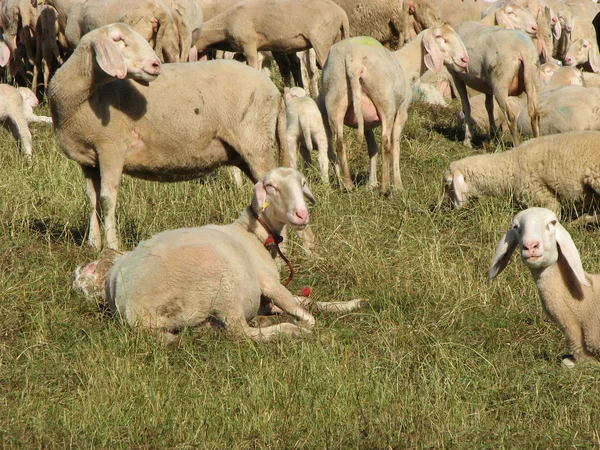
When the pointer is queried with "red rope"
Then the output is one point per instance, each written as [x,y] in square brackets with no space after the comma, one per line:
[275,239]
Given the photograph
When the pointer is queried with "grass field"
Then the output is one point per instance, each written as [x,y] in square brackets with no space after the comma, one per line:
[440,358]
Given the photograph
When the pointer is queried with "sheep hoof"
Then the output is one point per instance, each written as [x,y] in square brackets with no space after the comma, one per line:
[568,362]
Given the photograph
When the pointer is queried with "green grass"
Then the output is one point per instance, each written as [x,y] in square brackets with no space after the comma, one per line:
[440,358]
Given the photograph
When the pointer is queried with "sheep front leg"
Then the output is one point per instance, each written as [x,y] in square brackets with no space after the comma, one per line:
[461,87]
[323,158]
[283,299]
[399,122]
[373,151]
[575,340]
[20,130]
[386,144]
[336,307]
[489,107]
[110,181]
[92,183]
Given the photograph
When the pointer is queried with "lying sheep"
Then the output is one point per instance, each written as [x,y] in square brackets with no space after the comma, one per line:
[546,72]
[503,62]
[569,295]
[547,171]
[365,85]
[126,118]
[583,53]
[16,112]
[191,276]
[304,120]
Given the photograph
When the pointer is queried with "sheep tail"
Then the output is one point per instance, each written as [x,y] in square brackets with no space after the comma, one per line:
[353,74]
[532,87]
[305,126]
[280,137]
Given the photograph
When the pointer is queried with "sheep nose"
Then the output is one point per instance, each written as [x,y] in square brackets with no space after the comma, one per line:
[531,245]
[302,214]
[156,66]
[569,28]
[568,60]
[464,59]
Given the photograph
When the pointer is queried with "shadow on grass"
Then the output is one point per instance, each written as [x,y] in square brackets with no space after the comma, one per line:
[58,231]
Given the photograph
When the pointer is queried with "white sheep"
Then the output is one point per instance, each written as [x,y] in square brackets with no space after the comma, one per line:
[190,276]
[569,295]
[502,62]
[304,120]
[583,52]
[365,86]
[114,114]
[16,112]
[547,171]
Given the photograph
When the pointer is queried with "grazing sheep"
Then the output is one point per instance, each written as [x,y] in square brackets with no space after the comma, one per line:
[304,120]
[16,112]
[276,25]
[191,276]
[502,62]
[151,18]
[365,85]
[569,295]
[547,171]
[583,53]
[113,115]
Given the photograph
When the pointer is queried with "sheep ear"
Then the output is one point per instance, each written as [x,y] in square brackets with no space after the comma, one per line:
[4,54]
[259,197]
[109,57]
[557,30]
[287,95]
[504,251]
[570,253]
[593,58]
[308,194]
[433,59]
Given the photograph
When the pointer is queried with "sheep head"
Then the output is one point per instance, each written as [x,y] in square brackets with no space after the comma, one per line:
[583,51]
[443,46]
[513,17]
[280,199]
[456,190]
[541,240]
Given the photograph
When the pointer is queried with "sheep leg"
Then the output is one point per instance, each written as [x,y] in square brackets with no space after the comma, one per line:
[502,99]
[284,64]
[399,122]
[575,340]
[461,87]
[342,156]
[283,299]
[251,53]
[292,143]
[92,182]
[386,144]
[336,307]
[20,130]
[322,157]
[110,180]
[373,151]
[241,328]
[489,107]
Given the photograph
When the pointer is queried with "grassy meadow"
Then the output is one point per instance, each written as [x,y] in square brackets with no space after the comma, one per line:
[441,357]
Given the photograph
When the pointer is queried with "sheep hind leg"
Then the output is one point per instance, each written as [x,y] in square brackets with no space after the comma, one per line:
[511,120]
[336,307]
[20,130]
[466,108]
[373,151]
[489,107]
[386,144]
[399,121]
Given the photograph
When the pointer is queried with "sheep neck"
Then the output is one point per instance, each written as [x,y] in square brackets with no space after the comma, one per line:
[411,57]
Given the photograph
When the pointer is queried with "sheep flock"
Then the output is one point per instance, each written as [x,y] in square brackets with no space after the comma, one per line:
[178,90]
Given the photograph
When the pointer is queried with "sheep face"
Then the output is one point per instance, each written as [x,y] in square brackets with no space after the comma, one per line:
[120,52]
[580,52]
[565,18]
[456,190]
[445,47]
[546,72]
[280,196]
[514,17]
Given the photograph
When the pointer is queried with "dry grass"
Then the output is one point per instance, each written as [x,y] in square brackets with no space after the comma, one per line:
[440,358]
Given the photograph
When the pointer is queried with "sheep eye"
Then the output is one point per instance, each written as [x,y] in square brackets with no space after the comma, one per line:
[515,227]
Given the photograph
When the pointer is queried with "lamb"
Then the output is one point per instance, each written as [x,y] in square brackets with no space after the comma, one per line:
[16,112]
[503,62]
[569,295]
[365,85]
[276,25]
[114,122]
[304,119]
[546,72]
[215,273]
[548,171]
[151,18]
[584,53]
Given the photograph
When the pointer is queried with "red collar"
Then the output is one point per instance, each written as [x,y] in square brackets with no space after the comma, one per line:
[275,239]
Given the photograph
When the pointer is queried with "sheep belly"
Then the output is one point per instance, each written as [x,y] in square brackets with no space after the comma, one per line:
[180,277]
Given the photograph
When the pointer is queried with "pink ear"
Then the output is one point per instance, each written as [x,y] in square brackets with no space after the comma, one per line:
[570,253]
[108,57]
[259,197]
[433,59]
[4,54]
[593,58]
[193,54]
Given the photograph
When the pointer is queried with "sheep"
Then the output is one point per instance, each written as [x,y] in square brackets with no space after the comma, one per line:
[304,119]
[546,72]
[277,25]
[191,276]
[16,112]
[114,114]
[364,85]
[151,18]
[548,171]
[583,52]
[188,21]
[502,62]
[591,79]
[48,55]
[569,295]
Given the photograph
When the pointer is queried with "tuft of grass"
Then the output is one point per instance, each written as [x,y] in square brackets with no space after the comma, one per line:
[440,358]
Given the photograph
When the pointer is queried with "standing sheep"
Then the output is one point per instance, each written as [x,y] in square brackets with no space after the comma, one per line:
[547,171]
[502,62]
[112,115]
[365,85]
[276,25]
[569,295]
[304,120]
[16,112]
[227,273]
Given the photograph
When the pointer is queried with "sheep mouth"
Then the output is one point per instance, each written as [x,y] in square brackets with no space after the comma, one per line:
[532,258]
[298,226]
